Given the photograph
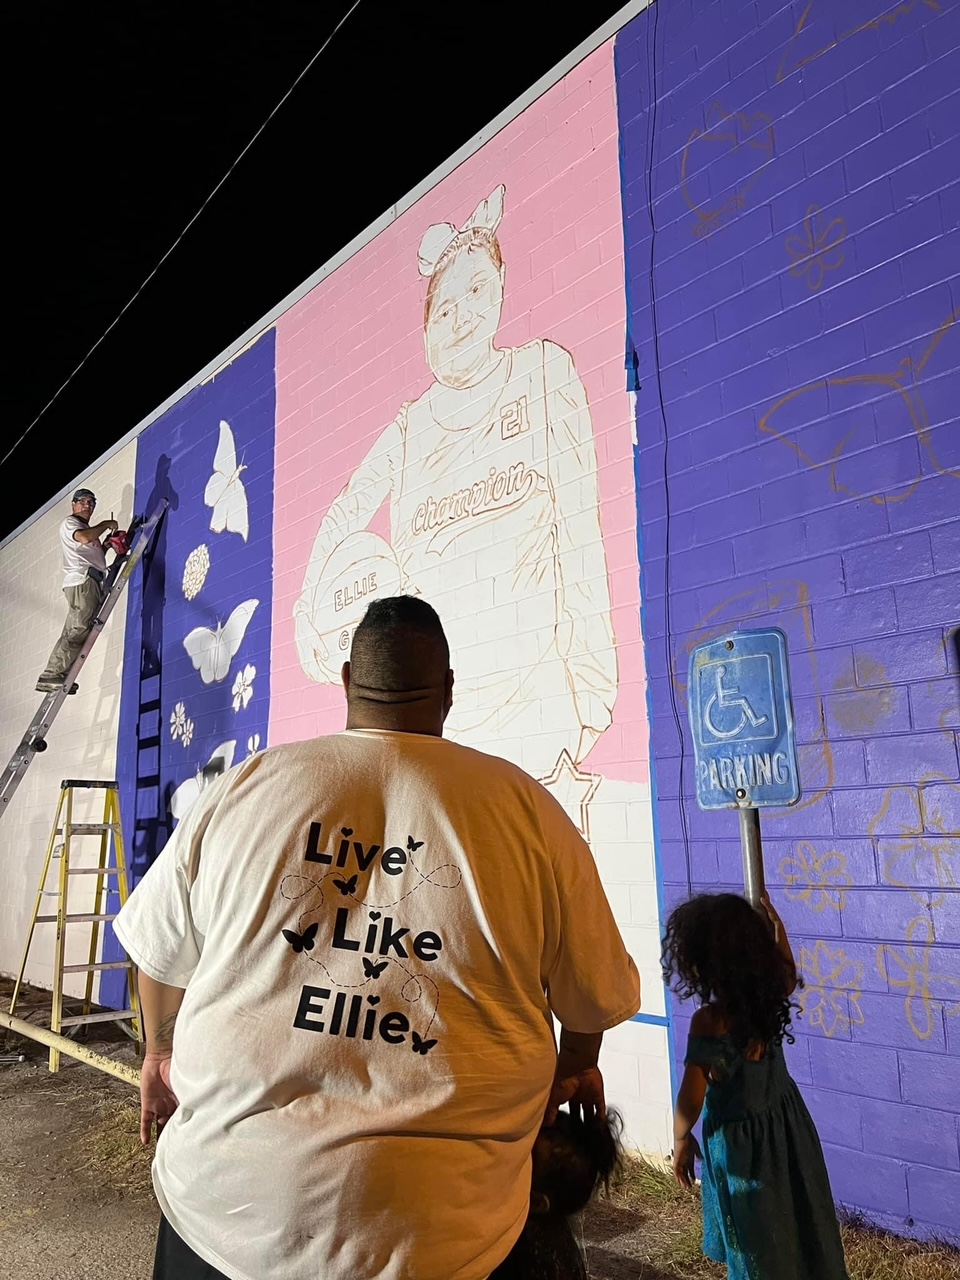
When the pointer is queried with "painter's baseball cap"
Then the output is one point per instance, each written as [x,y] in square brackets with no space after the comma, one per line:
[84,493]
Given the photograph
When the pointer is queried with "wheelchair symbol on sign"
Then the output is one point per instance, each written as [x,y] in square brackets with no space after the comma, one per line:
[729,698]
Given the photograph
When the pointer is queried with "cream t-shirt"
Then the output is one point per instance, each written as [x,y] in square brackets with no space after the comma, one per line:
[78,557]
[374,930]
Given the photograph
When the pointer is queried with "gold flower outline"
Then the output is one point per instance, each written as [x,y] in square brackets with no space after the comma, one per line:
[908,970]
[928,837]
[817,250]
[824,878]
[832,988]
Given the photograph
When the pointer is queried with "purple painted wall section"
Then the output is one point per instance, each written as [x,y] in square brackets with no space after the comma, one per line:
[791,202]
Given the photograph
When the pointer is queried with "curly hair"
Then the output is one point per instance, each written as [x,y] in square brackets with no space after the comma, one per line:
[570,1159]
[718,948]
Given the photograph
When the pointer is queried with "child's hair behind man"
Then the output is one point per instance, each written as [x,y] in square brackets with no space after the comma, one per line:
[571,1158]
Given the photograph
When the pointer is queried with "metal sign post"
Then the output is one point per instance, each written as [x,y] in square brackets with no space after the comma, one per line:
[743,736]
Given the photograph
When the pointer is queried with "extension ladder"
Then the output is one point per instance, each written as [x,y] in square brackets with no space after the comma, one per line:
[35,738]
[60,849]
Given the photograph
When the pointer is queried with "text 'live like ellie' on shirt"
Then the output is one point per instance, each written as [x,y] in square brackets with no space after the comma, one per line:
[375,931]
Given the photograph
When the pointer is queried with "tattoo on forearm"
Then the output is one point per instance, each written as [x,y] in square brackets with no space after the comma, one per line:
[164,1032]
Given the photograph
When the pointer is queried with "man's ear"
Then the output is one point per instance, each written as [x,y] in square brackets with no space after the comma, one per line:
[345,676]
[448,694]
[539,1203]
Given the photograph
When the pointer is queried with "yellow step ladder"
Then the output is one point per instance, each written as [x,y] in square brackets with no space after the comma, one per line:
[59,848]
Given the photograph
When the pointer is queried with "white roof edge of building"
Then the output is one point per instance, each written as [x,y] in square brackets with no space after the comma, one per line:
[510,113]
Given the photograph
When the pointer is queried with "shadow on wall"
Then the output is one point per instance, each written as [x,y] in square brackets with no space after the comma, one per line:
[152,824]
[107,709]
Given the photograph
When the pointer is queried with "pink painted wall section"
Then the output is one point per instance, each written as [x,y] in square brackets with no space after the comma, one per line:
[352,352]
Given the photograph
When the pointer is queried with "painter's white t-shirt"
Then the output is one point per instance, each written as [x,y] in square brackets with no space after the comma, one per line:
[78,557]
[374,930]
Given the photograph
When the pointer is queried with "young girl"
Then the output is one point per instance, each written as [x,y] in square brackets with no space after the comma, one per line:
[767,1208]
[570,1158]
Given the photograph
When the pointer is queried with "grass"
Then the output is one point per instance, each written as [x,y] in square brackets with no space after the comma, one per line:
[109,1151]
[645,1228]
[664,1223]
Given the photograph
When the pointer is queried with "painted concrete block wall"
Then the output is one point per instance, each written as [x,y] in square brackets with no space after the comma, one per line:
[196,680]
[791,207]
[501,493]
[775,235]
[530,553]
[84,744]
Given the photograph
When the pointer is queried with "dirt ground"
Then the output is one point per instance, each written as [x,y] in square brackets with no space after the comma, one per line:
[76,1201]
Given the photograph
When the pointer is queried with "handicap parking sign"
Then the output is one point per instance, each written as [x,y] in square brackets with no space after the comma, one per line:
[742,721]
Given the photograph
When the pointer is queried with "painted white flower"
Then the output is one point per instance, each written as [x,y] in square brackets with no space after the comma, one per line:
[195,571]
[178,721]
[253,744]
[243,686]
[188,733]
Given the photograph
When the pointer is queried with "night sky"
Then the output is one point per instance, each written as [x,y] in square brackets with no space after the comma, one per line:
[120,120]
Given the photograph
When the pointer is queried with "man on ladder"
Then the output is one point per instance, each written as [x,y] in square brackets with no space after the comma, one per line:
[90,606]
[84,575]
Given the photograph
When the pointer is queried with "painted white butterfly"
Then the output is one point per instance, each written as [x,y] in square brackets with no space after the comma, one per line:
[225,491]
[188,792]
[211,652]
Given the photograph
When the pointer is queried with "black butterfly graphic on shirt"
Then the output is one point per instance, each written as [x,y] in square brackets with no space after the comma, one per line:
[413,845]
[347,886]
[371,970]
[302,941]
[420,1046]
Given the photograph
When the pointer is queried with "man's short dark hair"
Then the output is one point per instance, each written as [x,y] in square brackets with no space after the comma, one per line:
[399,647]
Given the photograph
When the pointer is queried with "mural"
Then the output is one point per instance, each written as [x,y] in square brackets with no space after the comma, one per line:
[494,467]
[197,652]
[815,34]
[742,144]
[447,414]
[485,466]
[793,302]
[839,417]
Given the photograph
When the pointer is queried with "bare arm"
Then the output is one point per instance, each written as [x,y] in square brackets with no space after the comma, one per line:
[781,939]
[693,1090]
[95,532]
[578,1079]
[159,1006]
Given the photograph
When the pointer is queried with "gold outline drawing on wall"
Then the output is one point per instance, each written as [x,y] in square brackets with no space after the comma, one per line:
[928,837]
[573,790]
[817,250]
[914,977]
[833,985]
[884,19]
[716,117]
[494,467]
[904,381]
[824,877]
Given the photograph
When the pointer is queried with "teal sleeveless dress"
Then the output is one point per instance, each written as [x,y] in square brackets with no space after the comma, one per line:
[767,1207]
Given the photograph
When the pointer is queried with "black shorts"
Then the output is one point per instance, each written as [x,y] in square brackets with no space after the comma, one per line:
[175,1260]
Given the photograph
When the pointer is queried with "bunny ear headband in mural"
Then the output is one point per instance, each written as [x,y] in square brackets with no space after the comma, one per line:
[441,236]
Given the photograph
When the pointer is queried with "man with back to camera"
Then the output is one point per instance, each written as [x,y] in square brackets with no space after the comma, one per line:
[84,572]
[351,952]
